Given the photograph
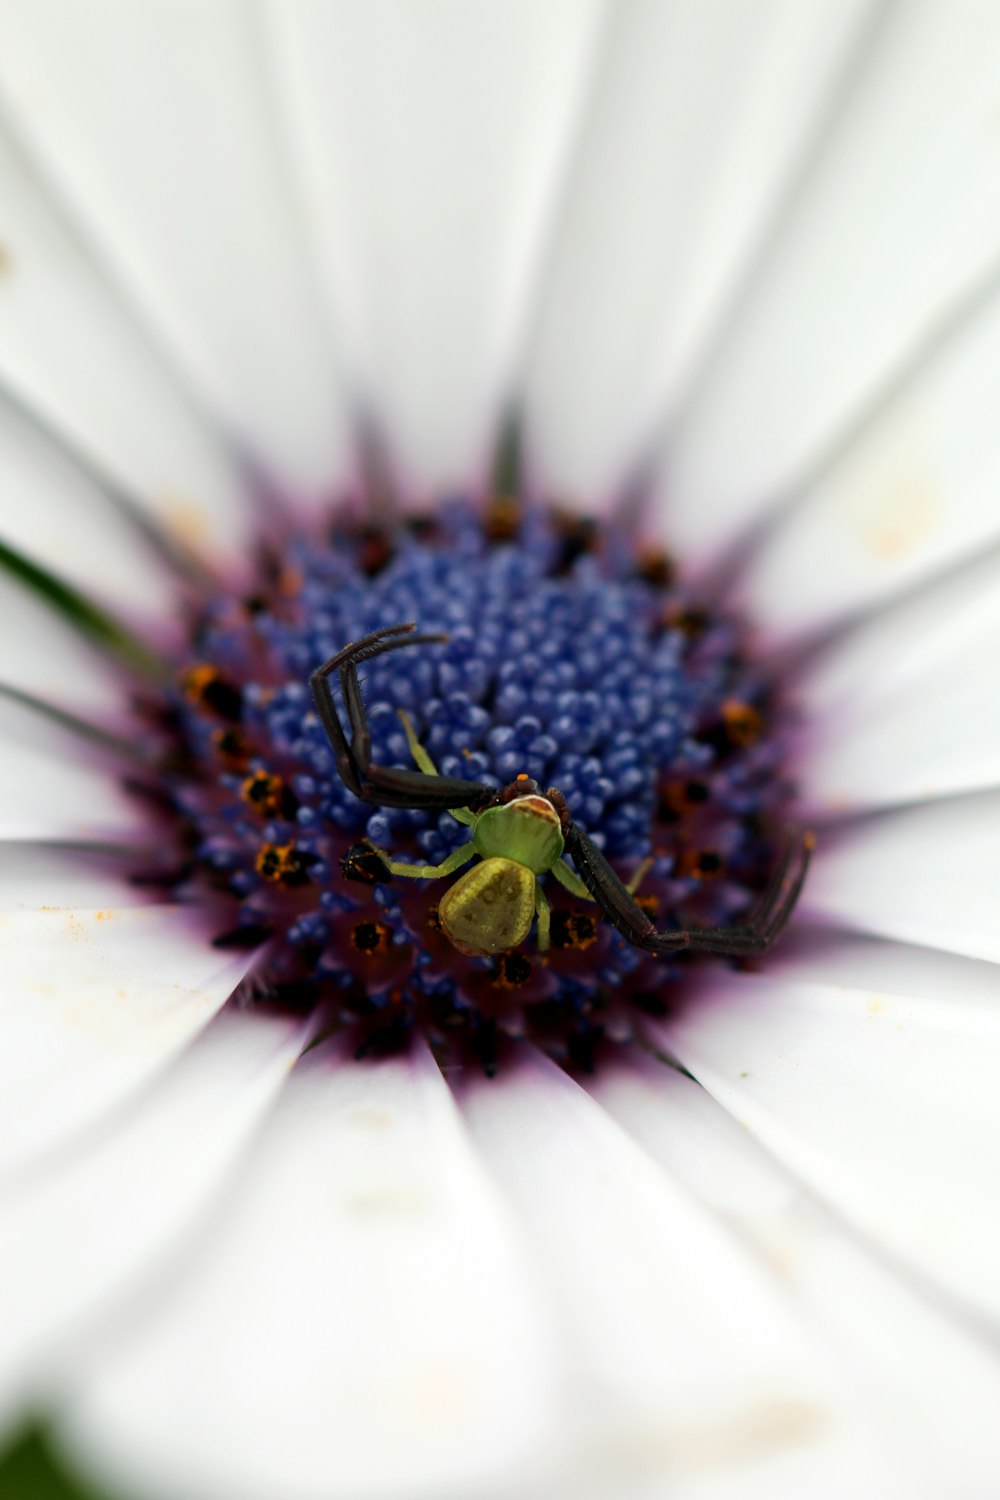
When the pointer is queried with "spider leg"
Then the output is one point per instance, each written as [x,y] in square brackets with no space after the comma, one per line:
[383,785]
[423,760]
[773,910]
[639,875]
[570,880]
[452,862]
[624,913]
[544,915]
[328,715]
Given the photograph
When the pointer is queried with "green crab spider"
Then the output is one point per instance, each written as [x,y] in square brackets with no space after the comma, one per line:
[491,909]
[519,835]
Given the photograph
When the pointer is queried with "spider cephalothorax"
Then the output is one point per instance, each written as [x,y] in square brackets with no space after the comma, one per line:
[519,835]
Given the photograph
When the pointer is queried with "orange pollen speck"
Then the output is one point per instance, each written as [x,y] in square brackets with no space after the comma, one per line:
[743,722]
[503,519]
[702,864]
[370,938]
[197,680]
[263,791]
[655,566]
[290,582]
[231,745]
[278,863]
[577,930]
[512,970]
[205,688]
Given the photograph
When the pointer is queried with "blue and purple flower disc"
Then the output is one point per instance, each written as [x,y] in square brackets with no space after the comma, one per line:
[574,656]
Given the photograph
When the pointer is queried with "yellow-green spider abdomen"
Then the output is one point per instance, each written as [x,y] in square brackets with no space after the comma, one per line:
[490,908]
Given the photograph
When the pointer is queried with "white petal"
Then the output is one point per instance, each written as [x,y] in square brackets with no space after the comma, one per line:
[686,1369]
[431,140]
[901,708]
[914,493]
[59,517]
[884,1103]
[155,121]
[815,956]
[64,790]
[37,877]
[93,1004]
[699,117]
[361,1322]
[93,1233]
[42,654]
[927,874]
[935,1388]
[69,349]
[898,218]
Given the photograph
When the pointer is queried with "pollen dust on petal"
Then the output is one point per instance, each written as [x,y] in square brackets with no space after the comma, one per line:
[6,261]
[187,521]
[387,1200]
[784,1259]
[769,1427]
[370,1117]
[98,1003]
[894,503]
[443,1394]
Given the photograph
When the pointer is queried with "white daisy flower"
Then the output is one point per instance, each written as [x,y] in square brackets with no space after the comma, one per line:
[335,1209]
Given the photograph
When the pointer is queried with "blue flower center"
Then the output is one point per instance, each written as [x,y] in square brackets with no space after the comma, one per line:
[575,657]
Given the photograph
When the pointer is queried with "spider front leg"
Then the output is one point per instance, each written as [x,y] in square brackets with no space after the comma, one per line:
[624,913]
[775,906]
[385,786]
[452,862]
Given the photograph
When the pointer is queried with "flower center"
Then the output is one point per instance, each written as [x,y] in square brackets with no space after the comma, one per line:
[574,658]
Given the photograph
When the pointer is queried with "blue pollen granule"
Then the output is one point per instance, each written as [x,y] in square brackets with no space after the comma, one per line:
[574,657]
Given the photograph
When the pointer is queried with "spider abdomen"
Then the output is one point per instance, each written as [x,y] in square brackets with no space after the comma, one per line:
[490,908]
